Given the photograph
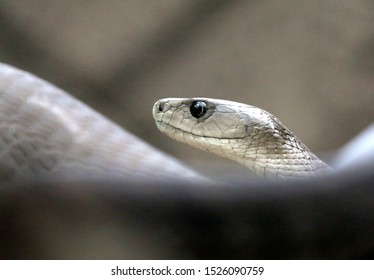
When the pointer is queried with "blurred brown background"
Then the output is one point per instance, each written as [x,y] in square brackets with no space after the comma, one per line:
[310,63]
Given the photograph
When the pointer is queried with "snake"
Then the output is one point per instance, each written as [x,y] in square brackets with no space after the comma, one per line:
[246,134]
[45,131]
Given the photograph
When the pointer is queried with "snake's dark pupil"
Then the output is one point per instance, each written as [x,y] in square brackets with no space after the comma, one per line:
[198,109]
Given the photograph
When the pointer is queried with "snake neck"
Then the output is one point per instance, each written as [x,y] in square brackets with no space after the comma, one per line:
[269,153]
[275,155]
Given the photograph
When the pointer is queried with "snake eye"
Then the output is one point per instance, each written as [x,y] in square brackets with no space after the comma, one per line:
[198,109]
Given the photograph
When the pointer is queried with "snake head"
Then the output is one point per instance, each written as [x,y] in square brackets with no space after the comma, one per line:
[244,133]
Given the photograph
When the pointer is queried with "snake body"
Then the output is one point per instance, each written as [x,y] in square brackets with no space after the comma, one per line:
[243,133]
[45,131]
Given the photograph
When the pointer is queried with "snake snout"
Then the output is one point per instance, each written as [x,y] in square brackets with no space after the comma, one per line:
[159,108]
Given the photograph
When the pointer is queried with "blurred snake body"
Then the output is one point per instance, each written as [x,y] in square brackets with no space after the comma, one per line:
[243,133]
[44,131]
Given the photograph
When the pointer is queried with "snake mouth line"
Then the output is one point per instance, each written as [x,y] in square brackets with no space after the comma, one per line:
[197,135]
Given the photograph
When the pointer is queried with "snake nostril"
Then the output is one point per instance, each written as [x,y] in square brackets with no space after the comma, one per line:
[161,106]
